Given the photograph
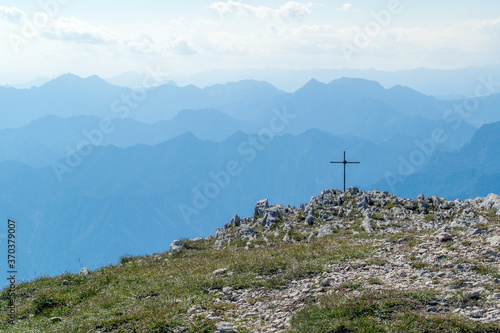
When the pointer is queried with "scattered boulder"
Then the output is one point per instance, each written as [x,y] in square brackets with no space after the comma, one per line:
[220,233]
[260,207]
[220,271]
[223,327]
[494,241]
[56,319]
[492,202]
[464,266]
[310,219]
[267,220]
[246,232]
[175,246]
[218,244]
[367,225]
[325,231]
[444,237]
[274,211]
[472,293]
[327,282]
[194,309]
[84,271]
[235,221]
[473,231]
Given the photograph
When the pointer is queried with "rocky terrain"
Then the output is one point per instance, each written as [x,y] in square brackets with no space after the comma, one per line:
[449,247]
[342,262]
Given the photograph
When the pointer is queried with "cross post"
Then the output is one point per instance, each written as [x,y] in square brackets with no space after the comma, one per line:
[345,162]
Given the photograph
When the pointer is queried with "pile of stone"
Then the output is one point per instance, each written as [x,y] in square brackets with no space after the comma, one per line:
[457,244]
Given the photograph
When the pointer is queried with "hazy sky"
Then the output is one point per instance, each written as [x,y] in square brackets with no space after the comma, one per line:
[107,37]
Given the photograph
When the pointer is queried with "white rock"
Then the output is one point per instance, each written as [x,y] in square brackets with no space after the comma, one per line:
[175,246]
[220,271]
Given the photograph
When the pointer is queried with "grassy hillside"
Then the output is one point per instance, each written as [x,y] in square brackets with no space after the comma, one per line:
[348,281]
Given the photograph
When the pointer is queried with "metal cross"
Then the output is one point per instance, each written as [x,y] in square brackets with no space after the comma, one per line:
[345,162]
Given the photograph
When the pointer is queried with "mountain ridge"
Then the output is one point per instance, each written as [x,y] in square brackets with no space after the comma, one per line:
[288,269]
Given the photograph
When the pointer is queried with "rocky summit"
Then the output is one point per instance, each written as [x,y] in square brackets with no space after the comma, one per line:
[351,261]
[454,253]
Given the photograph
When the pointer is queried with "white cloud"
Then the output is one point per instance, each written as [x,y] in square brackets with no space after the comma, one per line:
[74,30]
[294,11]
[237,42]
[346,7]
[291,11]
[11,14]
[181,47]
[142,43]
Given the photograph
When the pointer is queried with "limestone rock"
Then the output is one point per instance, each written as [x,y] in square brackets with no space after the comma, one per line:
[494,241]
[325,231]
[246,232]
[310,219]
[444,237]
[220,271]
[235,221]
[492,202]
[260,207]
[223,327]
[367,225]
[176,246]
[472,294]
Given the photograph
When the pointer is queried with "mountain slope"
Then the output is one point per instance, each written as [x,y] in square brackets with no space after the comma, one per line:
[365,109]
[65,96]
[45,140]
[182,187]
[334,264]
[472,171]
[342,107]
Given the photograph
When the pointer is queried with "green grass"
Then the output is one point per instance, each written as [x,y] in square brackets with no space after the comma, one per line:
[353,285]
[153,293]
[429,217]
[378,216]
[387,311]
[484,269]
[390,205]
[375,281]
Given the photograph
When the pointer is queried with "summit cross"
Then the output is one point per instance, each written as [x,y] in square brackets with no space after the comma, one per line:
[345,162]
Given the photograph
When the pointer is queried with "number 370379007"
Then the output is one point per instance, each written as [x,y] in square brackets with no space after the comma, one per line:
[11,244]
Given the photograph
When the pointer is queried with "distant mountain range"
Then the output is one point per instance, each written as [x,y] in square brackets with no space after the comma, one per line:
[445,84]
[175,162]
[436,82]
[138,199]
[472,171]
[343,107]
[50,138]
